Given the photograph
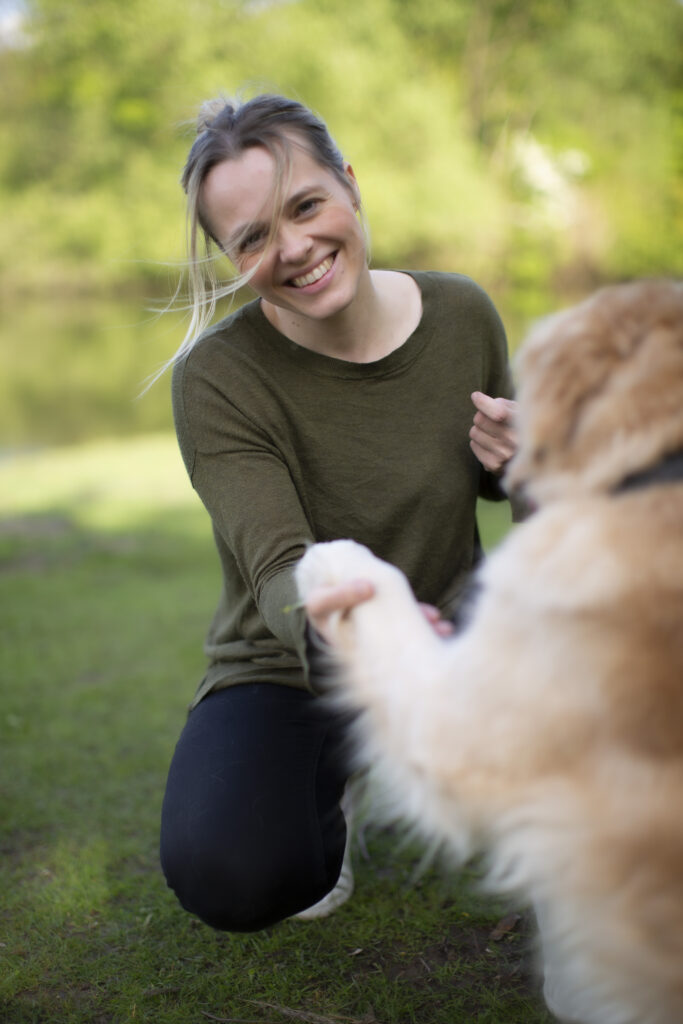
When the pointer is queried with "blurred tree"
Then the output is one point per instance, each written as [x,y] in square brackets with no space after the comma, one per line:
[598,82]
[520,141]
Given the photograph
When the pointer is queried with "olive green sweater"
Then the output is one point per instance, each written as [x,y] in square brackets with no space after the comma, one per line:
[286,446]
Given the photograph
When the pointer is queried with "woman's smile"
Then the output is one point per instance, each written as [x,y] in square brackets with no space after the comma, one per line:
[315,275]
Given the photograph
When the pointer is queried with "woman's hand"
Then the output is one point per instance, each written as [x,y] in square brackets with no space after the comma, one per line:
[493,437]
[326,601]
[442,627]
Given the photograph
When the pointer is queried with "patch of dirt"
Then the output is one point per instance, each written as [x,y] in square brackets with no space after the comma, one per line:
[467,957]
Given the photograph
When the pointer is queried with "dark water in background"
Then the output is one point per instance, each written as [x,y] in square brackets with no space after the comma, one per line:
[73,368]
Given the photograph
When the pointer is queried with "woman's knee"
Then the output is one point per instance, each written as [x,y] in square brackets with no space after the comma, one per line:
[251,830]
[239,894]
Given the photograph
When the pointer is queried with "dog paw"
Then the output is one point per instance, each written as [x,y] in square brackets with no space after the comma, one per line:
[335,562]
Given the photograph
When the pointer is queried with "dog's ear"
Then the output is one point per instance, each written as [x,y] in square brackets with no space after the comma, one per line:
[601,386]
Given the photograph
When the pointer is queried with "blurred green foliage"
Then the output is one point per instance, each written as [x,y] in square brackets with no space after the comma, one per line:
[535,145]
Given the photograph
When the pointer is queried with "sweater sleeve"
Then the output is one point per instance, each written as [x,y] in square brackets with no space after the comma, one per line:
[242,479]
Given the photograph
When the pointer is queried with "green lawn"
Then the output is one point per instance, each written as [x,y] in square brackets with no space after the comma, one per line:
[107,583]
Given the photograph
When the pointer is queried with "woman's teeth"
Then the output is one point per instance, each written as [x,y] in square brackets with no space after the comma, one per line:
[314,275]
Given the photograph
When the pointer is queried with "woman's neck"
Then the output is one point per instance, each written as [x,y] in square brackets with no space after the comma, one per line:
[384,313]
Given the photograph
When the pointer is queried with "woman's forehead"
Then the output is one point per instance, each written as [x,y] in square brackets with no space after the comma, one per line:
[243,188]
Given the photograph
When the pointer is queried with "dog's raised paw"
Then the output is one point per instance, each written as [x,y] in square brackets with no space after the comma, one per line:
[337,561]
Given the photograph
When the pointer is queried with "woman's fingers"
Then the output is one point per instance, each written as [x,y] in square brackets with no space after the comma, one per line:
[326,601]
[433,616]
[493,437]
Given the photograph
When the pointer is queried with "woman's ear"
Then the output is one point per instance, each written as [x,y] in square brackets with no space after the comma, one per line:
[353,184]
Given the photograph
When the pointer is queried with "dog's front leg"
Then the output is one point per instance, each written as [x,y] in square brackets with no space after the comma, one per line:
[387,655]
[380,641]
[430,717]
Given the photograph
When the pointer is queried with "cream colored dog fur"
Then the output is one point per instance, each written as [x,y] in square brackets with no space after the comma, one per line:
[549,732]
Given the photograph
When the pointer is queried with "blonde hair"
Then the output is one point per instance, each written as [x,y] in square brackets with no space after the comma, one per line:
[225,129]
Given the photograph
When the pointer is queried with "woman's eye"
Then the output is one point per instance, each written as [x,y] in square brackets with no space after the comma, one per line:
[307,206]
[252,241]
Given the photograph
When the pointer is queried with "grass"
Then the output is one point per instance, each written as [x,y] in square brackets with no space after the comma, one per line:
[107,583]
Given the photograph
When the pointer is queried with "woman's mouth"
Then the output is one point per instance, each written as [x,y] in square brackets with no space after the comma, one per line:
[313,275]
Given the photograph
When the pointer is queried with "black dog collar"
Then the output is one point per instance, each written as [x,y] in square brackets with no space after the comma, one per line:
[667,470]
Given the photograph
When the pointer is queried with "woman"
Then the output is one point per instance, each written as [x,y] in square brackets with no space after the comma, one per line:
[336,404]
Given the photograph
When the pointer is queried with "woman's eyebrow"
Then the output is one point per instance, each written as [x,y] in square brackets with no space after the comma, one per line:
[301,194]
[304,192]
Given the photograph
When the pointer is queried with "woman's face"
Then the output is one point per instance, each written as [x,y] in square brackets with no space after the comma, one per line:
[314,263]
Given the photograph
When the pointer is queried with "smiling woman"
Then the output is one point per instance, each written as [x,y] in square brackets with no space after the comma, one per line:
[308,256]
[339,403]
[272,126]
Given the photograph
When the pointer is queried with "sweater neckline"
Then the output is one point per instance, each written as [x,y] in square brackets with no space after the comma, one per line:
[331,366]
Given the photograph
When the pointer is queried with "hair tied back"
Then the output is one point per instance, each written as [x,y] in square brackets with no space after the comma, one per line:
[210,110]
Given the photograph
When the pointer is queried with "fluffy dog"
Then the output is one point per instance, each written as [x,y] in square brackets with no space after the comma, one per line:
[549,731]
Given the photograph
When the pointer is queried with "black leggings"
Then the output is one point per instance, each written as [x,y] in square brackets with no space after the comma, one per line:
[251,828]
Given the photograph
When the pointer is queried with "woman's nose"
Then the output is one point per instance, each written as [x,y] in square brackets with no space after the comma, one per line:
[294,243]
